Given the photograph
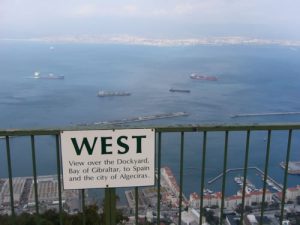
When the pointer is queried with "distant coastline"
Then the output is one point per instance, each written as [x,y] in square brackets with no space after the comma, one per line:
[134,40]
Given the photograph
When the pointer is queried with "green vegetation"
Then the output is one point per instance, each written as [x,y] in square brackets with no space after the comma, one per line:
[52,217]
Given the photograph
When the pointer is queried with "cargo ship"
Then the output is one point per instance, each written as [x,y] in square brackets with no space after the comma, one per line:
[203,77]
[139,119]
[50,76]
[179,90]
[112,93]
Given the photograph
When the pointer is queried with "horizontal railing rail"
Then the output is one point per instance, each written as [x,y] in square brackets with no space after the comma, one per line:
[158,128]
[202,131]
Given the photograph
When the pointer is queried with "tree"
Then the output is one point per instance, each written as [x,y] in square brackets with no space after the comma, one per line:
[52,217]
[5,220]
[91,215]
[25,219]
[119,214]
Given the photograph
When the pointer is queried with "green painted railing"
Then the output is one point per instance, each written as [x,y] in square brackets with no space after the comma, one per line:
[110,193]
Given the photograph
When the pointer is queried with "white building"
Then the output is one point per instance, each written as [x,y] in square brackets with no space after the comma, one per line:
[187,218]
[18,185]
[250,198]
[47,190]
[209,200]
[257,197]
[292,193]
[250,220]
[233,201]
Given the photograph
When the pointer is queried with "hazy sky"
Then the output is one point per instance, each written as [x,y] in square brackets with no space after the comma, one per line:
[151,18]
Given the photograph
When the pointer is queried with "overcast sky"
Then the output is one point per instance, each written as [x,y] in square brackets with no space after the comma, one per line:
[151,18]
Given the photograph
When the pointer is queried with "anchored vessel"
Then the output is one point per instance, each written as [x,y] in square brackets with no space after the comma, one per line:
[202,77]
[179,90]
[50,76]
[293,167]
[112,93]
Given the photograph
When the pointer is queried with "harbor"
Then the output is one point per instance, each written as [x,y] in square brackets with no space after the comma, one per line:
[265,114]
[270,181]
[139,119]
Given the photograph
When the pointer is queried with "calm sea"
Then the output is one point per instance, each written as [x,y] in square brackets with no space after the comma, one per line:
[251,79]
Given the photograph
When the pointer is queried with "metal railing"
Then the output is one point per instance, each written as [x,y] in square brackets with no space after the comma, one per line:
[200,132]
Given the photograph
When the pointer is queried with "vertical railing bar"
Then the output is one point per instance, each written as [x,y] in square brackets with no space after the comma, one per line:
[110,206]
[181,176]
[136,192]
[34,176]
[245,175]
[107,206]
[158,176]
[112,199]
[224,176]
[11,191]
[286,174]
[59,180]
[265,177]
[202,176]
[83,206]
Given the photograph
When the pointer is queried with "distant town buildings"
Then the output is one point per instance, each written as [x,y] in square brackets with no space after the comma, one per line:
[135,40]
[169,182]
[48,197]
[209,200]
[231,202]
[190,214]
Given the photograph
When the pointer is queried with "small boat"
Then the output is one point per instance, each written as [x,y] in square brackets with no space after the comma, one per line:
[239,180]
[50,76]
[209,191]
[203,77]
[248,190]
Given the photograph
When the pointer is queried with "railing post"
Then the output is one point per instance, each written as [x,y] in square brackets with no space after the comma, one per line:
[35,178]
[245,177]
[202,176]
[158,176]
[136,195]
[287,159]
[83,206]
[224,176]
[110,206]
[10,180]
[181,176]
[265,177]
[59,180]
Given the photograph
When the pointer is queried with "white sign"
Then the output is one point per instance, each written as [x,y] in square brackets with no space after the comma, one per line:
[108,158]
